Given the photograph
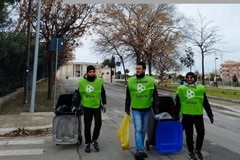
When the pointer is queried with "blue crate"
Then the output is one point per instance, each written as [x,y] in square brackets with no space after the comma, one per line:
[169,137]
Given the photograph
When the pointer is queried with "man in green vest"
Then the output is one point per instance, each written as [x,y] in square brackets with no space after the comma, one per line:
[141,95]
[190,101]
[93,101]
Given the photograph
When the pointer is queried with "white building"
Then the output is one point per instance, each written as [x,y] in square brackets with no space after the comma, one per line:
[79,69]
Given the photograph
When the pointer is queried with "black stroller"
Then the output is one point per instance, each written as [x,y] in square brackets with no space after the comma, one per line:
[166,104]
[66,125]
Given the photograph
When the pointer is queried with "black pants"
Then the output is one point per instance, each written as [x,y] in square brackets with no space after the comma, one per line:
[188,122]
[89,113]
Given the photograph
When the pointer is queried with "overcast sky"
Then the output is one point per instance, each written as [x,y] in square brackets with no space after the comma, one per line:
[225,16]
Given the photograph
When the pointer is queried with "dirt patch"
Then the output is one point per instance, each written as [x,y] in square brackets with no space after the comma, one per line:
[22,132]
[15,104]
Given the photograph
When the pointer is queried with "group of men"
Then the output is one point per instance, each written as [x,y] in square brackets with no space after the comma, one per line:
[141,95]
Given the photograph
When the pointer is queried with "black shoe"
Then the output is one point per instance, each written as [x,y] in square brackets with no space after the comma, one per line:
[88,148]
[138,156]
[192,156]
[144,154]
[95,145]
[199,155]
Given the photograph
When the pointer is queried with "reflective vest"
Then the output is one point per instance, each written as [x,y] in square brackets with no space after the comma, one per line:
[90,92]
[191,99]
[141,91]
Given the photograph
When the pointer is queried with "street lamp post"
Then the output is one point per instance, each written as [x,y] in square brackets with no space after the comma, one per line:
[216,69]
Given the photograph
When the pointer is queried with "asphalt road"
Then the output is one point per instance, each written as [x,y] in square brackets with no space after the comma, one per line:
[221,140]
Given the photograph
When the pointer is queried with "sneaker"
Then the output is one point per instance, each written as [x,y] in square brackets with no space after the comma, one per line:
[199,154]
[192,156]
[95,145]
[138,156]
[144,154]
[88,148]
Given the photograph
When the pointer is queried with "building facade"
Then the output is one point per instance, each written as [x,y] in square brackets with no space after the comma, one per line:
[79,69]
[229,69]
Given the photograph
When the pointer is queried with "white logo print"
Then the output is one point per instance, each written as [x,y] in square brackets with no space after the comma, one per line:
[190,94]
[89,88]
[140,87]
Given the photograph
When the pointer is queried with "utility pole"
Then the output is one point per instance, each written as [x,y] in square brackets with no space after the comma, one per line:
[32,105]
[26,86]
[216,68]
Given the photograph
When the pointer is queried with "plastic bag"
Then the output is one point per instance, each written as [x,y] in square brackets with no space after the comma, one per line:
[124,132]
[163,115]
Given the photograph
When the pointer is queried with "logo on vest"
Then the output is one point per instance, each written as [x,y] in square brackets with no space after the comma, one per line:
[190,94]
[140,88]
[89,88]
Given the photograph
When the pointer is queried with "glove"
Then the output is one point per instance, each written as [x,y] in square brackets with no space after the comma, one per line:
[211,120]
[104,108]
[77,112]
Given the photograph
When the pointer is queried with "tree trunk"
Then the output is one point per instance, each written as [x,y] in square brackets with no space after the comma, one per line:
[203,81]
[26,86]
[150,64]
[124,70]
[161,75]
[138,54]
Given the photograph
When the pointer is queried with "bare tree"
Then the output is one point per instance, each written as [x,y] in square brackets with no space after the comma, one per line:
[141,30]
[108,45]
[203,35]
[165,62]
[70,21]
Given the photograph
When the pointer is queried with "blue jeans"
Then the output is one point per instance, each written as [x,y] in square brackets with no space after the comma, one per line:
[140,120]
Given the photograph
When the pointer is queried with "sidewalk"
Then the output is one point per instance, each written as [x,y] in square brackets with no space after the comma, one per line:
[26,120]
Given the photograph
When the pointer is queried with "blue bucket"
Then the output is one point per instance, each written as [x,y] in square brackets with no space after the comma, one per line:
[169,137]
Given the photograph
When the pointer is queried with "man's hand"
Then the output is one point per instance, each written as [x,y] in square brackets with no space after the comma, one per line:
[128,112]
[211,120]
[77,112]
[104,108]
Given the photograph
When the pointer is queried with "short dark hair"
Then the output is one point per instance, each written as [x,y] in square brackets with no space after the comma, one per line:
[142,64]
[90,67]
[191,74]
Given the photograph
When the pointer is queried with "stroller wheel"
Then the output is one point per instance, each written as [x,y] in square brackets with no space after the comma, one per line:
[147,144]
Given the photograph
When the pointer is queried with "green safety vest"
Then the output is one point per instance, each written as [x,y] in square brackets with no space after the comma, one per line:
[191,99]
[90,92]
[141,91]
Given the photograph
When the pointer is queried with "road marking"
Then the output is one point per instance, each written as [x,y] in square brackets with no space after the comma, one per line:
[21,152]
[21,142]
[217,104]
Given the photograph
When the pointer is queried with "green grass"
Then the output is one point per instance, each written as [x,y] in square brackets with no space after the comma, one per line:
[210,91]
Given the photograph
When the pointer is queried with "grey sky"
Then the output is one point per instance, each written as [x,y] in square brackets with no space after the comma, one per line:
[225,16]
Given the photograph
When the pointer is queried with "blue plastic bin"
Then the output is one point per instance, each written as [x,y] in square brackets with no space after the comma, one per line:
[169,137]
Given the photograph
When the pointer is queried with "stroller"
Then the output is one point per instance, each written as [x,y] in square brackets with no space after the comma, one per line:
[165,133]
[66,125]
